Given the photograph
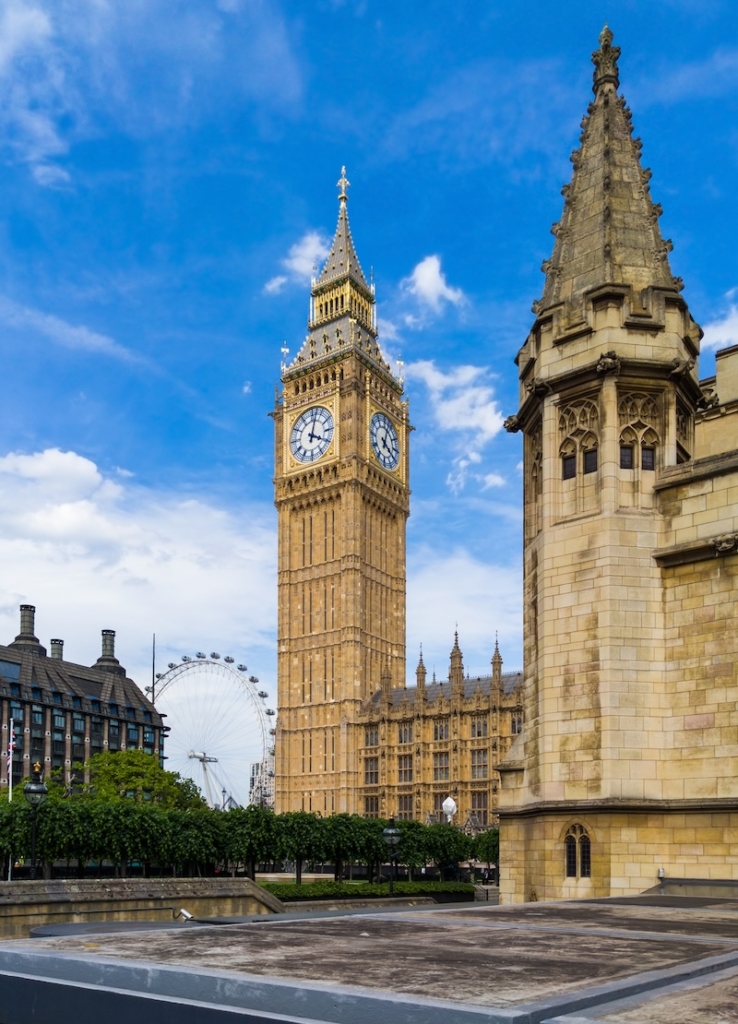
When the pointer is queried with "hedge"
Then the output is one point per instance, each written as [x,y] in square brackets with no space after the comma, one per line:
[289,891]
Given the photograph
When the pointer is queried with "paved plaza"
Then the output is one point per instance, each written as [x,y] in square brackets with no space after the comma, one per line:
[640,960]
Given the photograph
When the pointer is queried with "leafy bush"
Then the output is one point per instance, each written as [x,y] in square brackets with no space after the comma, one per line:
[289,891]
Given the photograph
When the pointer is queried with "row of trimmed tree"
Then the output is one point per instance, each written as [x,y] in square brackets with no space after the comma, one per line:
[200,841]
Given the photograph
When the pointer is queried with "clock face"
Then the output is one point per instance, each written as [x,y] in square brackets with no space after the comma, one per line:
[384,440]
[311,434]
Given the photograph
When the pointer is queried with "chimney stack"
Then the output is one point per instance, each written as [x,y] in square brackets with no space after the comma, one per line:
[107,659]
[26,639]
[57,650]
[108,643]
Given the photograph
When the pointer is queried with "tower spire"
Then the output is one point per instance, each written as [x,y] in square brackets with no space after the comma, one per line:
[342,304]
[609,232]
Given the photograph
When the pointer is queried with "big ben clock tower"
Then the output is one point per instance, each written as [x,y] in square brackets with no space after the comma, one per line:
[342,497]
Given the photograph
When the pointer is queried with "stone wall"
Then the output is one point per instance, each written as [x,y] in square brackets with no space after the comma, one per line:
[26,905]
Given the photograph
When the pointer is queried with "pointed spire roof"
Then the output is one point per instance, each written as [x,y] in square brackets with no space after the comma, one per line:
[342,261]
[609,231]
[456,668]
[342,306]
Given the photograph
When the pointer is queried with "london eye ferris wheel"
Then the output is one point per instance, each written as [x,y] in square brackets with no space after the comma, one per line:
[220,732]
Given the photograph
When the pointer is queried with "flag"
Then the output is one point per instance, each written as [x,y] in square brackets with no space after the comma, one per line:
[11,746]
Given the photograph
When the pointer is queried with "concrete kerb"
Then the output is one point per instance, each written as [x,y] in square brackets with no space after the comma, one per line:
[63,976]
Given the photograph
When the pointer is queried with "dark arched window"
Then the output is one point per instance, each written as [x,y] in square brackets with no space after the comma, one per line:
[578,853]
[585,858]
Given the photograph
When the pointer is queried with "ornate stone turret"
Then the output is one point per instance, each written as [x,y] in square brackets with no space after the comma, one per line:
[609,232]
[456,669]
[496,671]
[386,682]
[420,677]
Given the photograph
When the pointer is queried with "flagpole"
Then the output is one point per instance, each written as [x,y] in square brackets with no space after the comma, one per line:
[11,748]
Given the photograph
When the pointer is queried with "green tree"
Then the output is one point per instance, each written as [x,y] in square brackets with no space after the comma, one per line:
[300,837]
[487,846]
[447,846]
[345,840]
[412,849]
[138,776]
[249,835]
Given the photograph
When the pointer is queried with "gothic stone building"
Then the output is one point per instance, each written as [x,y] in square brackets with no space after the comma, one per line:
[63,713]
[350,737]
[628,760]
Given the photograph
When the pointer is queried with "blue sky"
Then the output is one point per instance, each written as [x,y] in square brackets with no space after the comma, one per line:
[167,176]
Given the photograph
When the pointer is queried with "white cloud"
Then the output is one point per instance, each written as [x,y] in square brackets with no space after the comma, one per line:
[428,284]
[275,284]
[492,480]
[457,587]
[246,389]
[461,399]
[723,332]
[50,176]
[70,67]
[300,262]
[62,333]
[94,553]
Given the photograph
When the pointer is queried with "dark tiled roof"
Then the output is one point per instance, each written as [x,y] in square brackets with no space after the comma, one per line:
[52,675]
[471,684]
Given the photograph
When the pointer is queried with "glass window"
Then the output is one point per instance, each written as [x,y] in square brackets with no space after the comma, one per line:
[405,808]
[585,858]
[405,732]
[371,736]
[405,768]
[57,697]
[440,767]
[578,853]
[371,771]
[78,724]
[440,729]
[58,719]
[131,735]
[480,807]
[10,670]
[626,456]
[114,735]
[371,807]
[648,458]
[479,764]
[590,461]
[37,715]
[479,727]
[569,467]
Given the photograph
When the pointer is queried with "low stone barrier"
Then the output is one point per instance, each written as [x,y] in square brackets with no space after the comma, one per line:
[26,905]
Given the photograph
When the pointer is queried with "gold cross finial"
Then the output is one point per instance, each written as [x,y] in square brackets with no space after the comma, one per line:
[343,183]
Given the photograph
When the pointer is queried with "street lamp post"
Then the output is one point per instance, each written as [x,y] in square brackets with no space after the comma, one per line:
[35,793]
[391,836]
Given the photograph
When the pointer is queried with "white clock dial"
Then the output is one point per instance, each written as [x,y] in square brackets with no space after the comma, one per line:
[312,434]
[384,440]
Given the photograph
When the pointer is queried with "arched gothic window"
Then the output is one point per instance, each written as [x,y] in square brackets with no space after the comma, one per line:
[578,430]
[577,853]
[639,439]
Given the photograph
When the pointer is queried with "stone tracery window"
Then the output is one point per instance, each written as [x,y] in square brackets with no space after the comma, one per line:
[579,438]
[639,417]
[577,853]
